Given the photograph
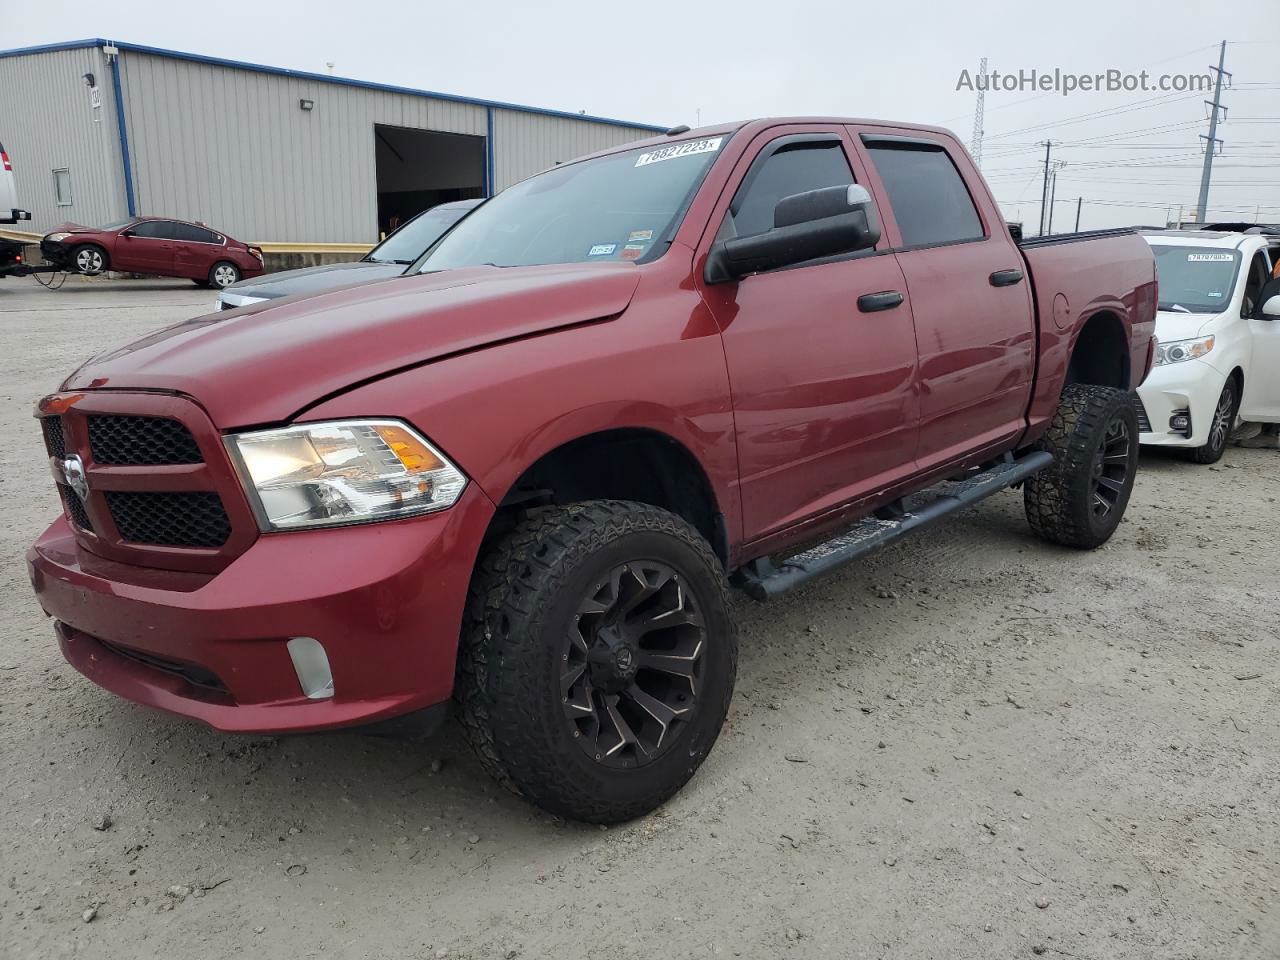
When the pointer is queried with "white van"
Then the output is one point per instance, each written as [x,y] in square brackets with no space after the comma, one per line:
[1218,328]
[9,212]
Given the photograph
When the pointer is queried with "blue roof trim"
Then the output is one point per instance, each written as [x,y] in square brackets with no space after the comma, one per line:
[322,78]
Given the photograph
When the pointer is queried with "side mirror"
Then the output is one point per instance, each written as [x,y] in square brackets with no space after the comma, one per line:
[806,226]
[128,234]
[1268,301]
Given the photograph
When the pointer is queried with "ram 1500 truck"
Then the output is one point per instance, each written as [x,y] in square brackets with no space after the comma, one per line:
[526,476]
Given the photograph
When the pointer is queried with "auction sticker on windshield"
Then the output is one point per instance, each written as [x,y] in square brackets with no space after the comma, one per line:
[688,149]
[1210,257]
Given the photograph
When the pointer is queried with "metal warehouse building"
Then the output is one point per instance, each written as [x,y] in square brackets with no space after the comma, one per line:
[100,130]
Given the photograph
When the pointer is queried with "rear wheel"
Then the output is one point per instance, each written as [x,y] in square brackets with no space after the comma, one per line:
[597,659]
[1080,498]
[89,259]
[223,274]
[1220,427]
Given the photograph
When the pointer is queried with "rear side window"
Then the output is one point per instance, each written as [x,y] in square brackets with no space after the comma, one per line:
[929,198]
[792,168]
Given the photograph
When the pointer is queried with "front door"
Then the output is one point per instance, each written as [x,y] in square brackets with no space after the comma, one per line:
[1261,402]
[146,247]
[969,296]
[823,389]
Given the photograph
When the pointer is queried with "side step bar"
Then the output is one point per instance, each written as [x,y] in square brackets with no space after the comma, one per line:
[762,580]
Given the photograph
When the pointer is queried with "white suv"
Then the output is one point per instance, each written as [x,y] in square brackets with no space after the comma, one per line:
[9,212]
[1218,358]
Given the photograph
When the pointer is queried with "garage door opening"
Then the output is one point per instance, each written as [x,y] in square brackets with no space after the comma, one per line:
[418,169]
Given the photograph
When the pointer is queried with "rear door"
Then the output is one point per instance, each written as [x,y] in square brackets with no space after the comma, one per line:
[8,189]
[971,302]
[195,250]
[823,393]
[145,247]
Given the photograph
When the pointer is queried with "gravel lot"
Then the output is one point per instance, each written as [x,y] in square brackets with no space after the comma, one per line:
[971,746]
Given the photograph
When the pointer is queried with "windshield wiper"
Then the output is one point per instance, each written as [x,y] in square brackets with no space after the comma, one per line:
[1174,307]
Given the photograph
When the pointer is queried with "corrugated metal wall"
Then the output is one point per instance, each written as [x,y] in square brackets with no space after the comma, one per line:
[233,148]
[46,122]
[529,142]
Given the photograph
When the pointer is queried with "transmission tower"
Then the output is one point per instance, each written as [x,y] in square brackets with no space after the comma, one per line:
[975,145]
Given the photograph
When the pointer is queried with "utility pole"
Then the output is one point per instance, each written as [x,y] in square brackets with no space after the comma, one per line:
[975,145]
[1053,189]
[1212,141]
[1079,204]
[1044,190]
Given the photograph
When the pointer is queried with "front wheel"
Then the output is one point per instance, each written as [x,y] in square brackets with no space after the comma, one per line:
[223,275]
[1220,427]
[1080,498]
[89,260]
[597,659]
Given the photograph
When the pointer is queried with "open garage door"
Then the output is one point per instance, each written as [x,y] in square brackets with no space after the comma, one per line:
[418,169]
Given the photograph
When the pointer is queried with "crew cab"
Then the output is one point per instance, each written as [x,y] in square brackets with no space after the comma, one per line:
[1219,346]
[526,476]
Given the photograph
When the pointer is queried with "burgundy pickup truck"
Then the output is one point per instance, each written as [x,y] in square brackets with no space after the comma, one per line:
[525,477]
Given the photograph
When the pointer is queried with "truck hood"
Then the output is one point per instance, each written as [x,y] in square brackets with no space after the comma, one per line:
[263,363]
[312,280]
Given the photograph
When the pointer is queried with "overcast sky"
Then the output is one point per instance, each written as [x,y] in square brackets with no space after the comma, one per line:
[671,62]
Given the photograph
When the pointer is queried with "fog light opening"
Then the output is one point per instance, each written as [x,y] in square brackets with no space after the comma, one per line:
[1180,422]
[311,664]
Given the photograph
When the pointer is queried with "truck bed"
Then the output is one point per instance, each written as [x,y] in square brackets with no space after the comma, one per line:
[1095,283]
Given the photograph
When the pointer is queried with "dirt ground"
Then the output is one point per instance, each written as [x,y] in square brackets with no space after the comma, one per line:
[972,745]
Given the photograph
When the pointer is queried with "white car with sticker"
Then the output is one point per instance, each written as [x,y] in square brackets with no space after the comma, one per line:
[1218,351]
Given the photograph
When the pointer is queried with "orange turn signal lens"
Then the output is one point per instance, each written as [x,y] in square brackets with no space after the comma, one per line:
[416,456]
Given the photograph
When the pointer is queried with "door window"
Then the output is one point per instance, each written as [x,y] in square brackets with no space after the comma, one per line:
[1253,286]
[790,169]
[154,230]
[929,198]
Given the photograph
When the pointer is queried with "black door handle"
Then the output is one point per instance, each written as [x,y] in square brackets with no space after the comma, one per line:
[1006,278]
[885,300]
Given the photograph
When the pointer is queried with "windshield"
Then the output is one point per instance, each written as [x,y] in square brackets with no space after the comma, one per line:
[623,206]
[1195,279]
[116,224]
[412,240]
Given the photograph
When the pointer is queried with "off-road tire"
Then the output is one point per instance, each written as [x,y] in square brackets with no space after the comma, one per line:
[1059,500]
[1215,446]
[90,253]
[524,593]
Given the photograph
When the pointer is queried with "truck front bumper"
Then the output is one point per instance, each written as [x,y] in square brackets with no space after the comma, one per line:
[382,603]
[1191,388]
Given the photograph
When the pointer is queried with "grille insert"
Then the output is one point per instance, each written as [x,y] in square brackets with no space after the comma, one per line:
[75,508]
[141,441]
[169,519]
[54,439]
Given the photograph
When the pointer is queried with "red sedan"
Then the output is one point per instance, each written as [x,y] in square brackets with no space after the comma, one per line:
[153,245]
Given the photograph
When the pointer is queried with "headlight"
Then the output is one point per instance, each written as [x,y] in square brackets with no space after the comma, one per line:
[1178,350]
[343,471]
[55,237]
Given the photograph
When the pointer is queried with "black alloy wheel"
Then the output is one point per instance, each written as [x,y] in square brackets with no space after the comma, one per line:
[632,664]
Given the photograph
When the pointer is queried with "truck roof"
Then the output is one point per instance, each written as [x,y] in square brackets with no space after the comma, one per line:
[760,123]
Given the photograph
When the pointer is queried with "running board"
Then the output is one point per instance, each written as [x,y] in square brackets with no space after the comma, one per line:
[762,580]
